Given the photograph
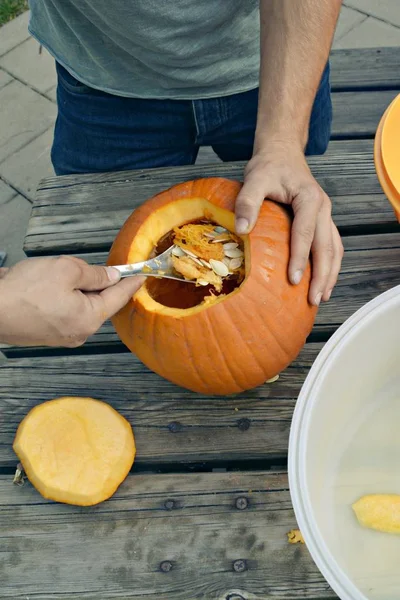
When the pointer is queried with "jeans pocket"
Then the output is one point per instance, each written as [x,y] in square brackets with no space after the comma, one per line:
[70,84]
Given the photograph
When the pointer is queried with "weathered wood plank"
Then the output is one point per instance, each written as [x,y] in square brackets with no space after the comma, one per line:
[171,424]
[75,214]
[371,265]
[357,114]
[116,550]
[365,69]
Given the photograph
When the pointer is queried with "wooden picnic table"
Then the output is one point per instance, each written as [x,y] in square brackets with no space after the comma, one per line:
[206,510]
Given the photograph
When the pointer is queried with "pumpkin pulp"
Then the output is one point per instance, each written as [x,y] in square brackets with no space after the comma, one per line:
[171,297]
[178,294]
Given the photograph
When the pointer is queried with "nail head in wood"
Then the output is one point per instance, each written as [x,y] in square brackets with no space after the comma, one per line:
[175,426]
[243,424]
[169,504]
[239,566]
[241,503]
[166,566]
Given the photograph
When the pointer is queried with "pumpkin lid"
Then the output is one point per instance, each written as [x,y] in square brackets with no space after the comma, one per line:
[75,450]
[387,154]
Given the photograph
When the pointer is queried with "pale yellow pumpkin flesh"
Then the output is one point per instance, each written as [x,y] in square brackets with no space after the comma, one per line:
[75,450]
[379,511]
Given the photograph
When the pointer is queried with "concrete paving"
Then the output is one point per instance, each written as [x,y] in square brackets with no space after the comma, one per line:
[28,105]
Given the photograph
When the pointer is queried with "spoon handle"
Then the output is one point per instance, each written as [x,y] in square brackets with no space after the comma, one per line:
[133,269]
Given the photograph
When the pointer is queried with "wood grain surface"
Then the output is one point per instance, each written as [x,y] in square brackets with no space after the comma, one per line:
[219,536]
[84,213]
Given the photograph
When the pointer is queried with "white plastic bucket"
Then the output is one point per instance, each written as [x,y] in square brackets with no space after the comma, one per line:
[345,443]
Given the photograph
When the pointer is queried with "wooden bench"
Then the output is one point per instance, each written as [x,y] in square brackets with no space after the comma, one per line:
[206,510]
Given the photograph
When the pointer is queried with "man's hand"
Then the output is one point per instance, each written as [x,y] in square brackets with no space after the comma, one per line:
[282,174]
[59,301]
[295,42]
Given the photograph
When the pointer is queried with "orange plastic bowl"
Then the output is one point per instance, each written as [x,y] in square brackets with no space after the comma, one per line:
[387,154]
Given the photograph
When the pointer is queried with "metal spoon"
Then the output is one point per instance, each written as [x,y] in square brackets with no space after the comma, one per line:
[160,266]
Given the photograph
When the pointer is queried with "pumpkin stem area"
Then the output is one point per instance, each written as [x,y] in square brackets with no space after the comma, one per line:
[204,253]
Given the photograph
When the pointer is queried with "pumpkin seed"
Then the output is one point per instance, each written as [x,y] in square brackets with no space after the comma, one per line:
[226,261]
[220,229]
[189,253]
[223,237]
[176,251]
[202,282]
[205,263]
[219,267]
[230,246]
[197,261]
[235,263]
[210,234]
[234,253]
[273,379]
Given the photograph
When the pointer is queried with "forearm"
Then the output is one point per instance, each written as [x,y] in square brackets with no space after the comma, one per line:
[296,37]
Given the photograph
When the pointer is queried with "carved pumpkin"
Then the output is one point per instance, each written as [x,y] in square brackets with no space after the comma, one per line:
[75,450]
[214,344]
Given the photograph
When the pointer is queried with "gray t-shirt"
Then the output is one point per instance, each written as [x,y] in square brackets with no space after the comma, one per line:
[181,49]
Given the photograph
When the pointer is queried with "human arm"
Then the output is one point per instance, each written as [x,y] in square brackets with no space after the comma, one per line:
[59,301]
[295,42]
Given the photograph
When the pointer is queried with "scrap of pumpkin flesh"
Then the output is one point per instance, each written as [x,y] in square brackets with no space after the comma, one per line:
[186,267]
[295,537]
[379,511]
[202,243]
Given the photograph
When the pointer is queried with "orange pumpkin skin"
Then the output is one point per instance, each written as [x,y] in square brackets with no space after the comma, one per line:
[234,344]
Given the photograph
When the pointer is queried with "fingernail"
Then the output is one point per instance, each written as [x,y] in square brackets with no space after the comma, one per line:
[297,277]
[328,295]
[242,225]
[113,274]
[318,299]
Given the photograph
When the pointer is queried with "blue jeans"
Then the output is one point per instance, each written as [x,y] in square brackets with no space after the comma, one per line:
[96,131]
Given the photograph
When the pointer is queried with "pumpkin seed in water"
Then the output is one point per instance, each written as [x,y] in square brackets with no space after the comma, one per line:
[219,267]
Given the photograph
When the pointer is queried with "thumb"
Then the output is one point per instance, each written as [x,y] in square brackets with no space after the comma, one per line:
[94,278]
[247,205]
[115,298]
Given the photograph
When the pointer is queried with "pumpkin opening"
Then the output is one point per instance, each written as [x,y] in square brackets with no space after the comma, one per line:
[177,299]
[204,252]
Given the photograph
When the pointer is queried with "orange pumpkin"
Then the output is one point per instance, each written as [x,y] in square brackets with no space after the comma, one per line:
[218,344]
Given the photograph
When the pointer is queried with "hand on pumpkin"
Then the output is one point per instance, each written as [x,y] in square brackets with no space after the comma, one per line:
[281,173]
[59,301]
